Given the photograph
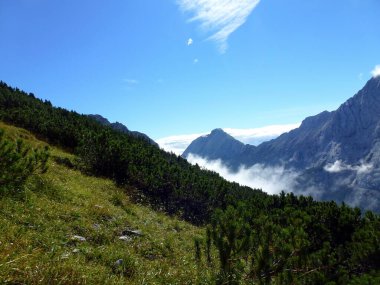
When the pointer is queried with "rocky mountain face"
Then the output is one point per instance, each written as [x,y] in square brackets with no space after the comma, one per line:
[121,128]
[217,145]
[336,154]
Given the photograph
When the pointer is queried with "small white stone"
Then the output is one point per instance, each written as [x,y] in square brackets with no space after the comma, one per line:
[125,238]
[78,238]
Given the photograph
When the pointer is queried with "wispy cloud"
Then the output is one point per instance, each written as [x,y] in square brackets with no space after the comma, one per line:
[272,180]
[376,71]
[189,41]
[196,60]
[339,166]
[179,143]
[219,17]
[131,81]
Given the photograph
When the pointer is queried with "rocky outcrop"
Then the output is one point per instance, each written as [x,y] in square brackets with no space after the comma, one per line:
[217,145]
[348,137]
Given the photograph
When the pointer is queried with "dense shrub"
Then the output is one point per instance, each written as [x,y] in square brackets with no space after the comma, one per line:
[17,162]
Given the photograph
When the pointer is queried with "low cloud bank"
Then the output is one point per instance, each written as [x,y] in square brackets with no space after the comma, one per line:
[272,180]
[254,136]
[339,166]
[177,144]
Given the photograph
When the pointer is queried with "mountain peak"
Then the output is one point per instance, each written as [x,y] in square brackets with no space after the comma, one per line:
[100,119]
[217,145]
[219,133]
[218,130]
[371,88]
[374,81]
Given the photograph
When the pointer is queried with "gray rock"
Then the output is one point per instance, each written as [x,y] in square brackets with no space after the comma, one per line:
[78,238]
[125,238]
[119,262]
[65,255]
[129,232]
[351,135]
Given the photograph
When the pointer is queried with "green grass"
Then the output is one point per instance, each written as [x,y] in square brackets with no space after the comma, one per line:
[37,230]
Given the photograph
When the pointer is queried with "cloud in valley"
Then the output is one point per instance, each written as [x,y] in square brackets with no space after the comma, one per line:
[255,136]
[339,166]
[272,180]
[376,71]
[220,18]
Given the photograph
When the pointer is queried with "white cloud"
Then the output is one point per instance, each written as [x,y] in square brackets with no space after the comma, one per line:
[258,135]
[189,41]
[179,143]
[219,17]
[196,60]
[376,71]
[131,81]
[272,180]
[339,166]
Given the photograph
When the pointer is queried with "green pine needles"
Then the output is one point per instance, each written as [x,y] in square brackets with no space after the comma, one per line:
[17,162]
[290,246]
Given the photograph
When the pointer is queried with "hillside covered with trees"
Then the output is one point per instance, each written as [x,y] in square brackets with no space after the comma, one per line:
[250,236]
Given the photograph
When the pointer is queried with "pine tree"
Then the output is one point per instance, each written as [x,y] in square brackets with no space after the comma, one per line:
[17,163]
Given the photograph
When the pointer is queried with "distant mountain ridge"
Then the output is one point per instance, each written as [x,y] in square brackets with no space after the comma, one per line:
[348,138]
[121,128]
[217,145]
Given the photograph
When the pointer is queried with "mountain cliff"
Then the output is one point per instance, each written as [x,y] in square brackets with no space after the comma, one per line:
[350,133]
[217,145]
[336,152]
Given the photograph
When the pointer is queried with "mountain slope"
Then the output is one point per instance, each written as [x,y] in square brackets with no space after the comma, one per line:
[167,181]
[338,152]
[41,229]
[63,227]
[121,128]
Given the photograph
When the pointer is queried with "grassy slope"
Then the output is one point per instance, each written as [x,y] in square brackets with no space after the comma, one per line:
[36,245]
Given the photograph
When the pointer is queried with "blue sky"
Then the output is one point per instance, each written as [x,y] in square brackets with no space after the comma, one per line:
[249,64]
